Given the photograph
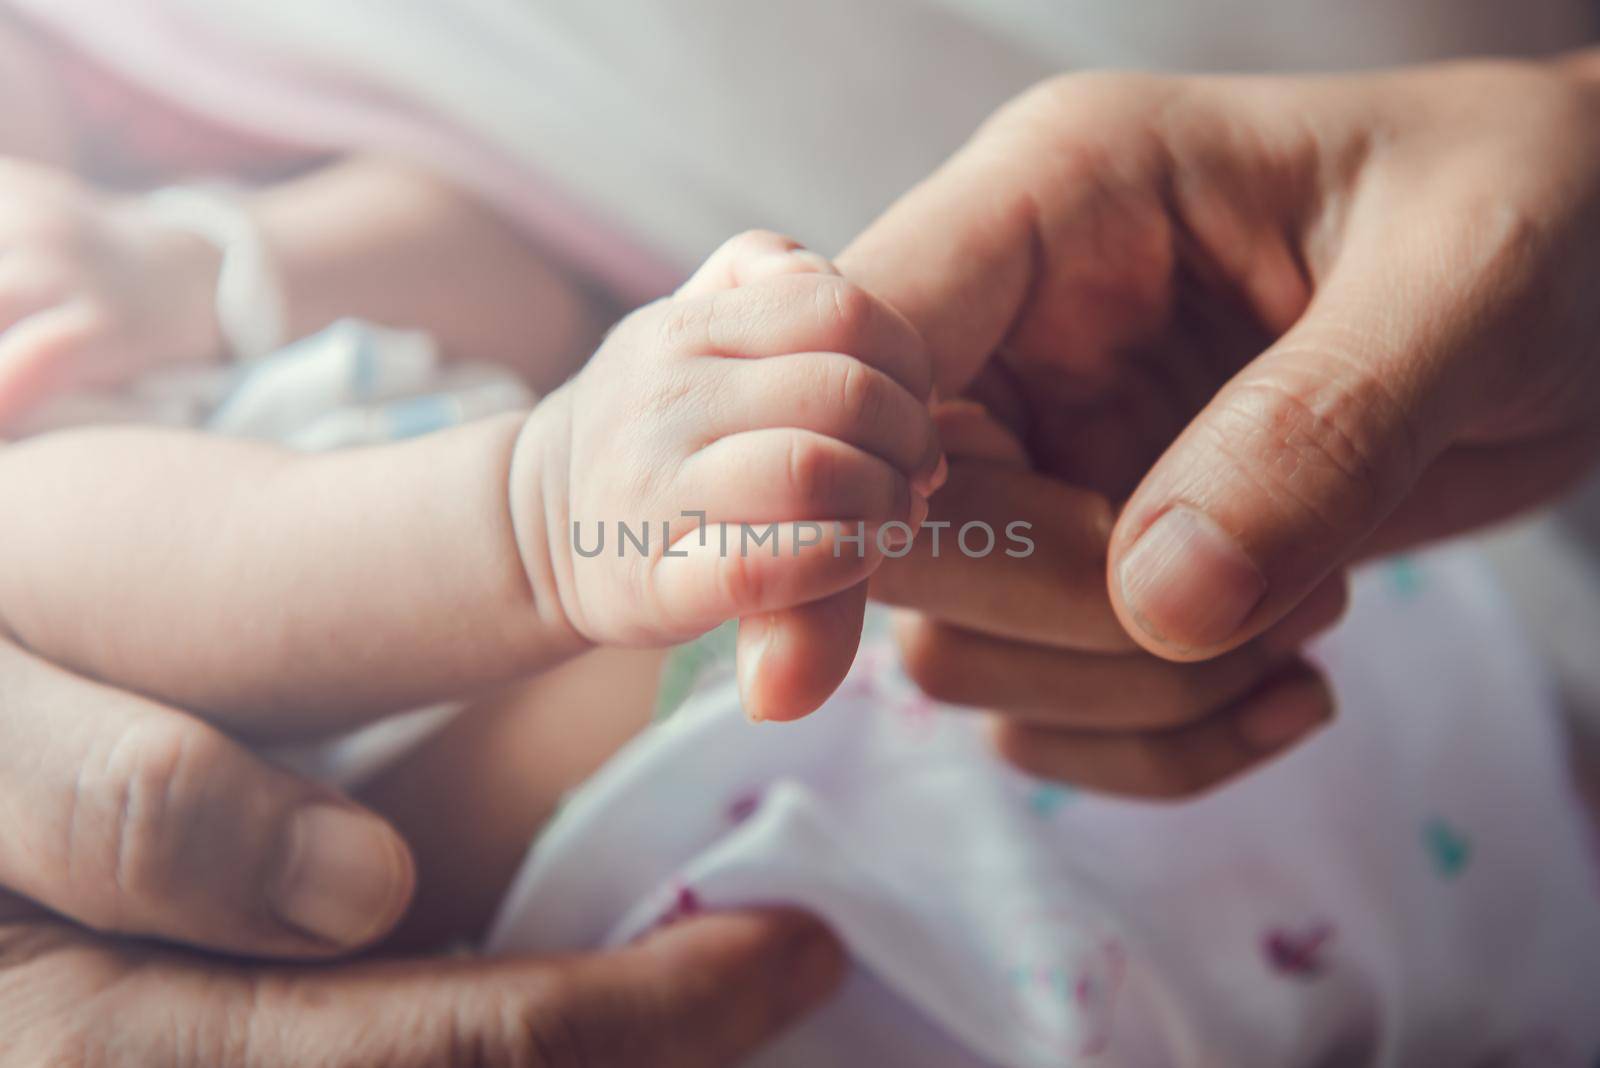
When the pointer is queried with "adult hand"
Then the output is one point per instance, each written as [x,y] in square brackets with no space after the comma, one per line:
[1283,322]
[121,817]
[133,818]
[1034,638]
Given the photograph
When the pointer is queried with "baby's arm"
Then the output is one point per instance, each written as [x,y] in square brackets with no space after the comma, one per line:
[99,290]
[364,237]
[255,583]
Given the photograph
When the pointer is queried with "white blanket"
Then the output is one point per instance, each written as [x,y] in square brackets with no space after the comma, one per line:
[1414,887]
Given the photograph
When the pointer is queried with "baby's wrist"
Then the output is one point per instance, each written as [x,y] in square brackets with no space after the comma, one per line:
[539,480]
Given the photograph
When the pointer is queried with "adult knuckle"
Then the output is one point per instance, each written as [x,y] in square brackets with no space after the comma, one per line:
[1292,437]
[146,792]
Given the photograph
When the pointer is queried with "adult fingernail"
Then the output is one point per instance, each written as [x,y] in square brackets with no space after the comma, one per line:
[755,638]
[345,876]
[1286,713]
[1187,582]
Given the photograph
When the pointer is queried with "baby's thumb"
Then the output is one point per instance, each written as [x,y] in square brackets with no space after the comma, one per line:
[790,662]
[1279,480]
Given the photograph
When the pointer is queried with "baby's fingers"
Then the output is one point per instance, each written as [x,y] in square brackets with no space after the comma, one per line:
[41,357]
[751,257]
[837,396]
[791,661]
[785,315]
[785,474]
[727,570]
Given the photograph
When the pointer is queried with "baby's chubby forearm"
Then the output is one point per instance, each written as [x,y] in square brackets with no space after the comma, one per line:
[272,589]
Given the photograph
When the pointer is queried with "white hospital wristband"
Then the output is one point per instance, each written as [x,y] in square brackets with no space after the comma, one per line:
[250,300]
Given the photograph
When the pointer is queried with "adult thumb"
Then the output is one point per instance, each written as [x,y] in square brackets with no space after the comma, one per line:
[1298,459]
[134,818]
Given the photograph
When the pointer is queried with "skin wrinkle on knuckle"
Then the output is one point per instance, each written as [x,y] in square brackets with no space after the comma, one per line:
[742,579]
[297,1017]
[484,1028]
[682,325]
[545,1034]
[241,1022]
[1405,448]
[844,310]
[812,471]
[1288,446]
[860,395]
[196,1037]
[143,788]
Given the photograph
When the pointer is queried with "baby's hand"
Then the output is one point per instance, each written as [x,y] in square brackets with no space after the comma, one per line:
[92,293]
[769,390]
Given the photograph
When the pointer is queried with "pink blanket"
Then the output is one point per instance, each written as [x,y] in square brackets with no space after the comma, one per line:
[289,85]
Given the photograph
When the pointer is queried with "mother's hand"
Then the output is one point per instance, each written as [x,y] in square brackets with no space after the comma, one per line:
[1287,321]
[1034,639]
[121,817]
